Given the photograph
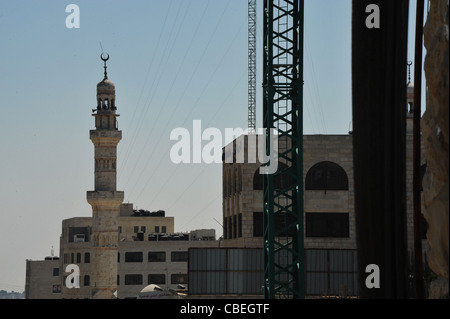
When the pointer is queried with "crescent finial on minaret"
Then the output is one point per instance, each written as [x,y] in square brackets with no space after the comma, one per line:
[104,59]
[409,71]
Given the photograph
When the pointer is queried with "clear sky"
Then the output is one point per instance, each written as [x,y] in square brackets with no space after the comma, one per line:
[172,62]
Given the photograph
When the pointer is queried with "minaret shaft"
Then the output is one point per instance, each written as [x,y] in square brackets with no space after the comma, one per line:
[105,199]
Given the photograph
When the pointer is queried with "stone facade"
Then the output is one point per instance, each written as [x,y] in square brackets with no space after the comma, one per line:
[42,279]
[105,199]
[241,200]
[77,247]
[436,141]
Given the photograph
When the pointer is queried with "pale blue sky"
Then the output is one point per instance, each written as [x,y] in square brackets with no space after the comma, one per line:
[172,62]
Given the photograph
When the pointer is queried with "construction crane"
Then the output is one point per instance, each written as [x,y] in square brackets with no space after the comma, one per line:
[283,110]
[251,66]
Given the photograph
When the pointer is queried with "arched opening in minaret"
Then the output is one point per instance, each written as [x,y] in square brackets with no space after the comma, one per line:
[410,107]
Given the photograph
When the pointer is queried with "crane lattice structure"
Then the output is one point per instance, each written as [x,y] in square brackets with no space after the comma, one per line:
[283,111]
[251,66]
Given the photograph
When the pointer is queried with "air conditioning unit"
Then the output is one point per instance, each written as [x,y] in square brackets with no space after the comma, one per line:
[79,238]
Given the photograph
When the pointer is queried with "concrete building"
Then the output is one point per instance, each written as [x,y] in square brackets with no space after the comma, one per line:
[149,252]
[43,278]
[329,210]
[119,250]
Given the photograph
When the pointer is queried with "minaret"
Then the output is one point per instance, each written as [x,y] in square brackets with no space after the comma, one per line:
[105,199]
[410,102]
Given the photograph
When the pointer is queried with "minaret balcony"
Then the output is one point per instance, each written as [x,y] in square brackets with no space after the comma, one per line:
[105,134]
[105,198]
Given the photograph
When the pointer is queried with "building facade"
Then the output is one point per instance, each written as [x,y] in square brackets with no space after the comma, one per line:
[329,211]
[149,252]
[43,278]
[328,196]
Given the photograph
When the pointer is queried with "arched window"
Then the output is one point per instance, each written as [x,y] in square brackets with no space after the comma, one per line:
[326,176]
[87,258]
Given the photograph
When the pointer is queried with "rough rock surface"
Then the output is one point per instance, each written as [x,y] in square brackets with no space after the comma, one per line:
[435,134]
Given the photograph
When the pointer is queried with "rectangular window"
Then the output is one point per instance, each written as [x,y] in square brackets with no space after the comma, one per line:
[234,226]
[282,220]
[327,225]
[143,228]
[178,279]
[136,229]
[156,279]
[156,229]
[240,225]
[225,228]
[179,256]
[86,280]
[133,257]
[133,280]
[56,289]
[156,256]
[55,271]
[163,229]
[257,224]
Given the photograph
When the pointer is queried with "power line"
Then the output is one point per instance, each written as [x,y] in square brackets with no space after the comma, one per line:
[167,57]
[186,87]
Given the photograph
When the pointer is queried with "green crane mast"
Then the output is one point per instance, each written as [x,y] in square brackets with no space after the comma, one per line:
[283,111]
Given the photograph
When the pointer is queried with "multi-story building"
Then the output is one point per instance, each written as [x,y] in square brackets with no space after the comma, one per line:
[43,278]
[149,252]
[118,250]
[329,211]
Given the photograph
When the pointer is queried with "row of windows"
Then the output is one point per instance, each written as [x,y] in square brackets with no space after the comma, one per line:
[317,224]
[157,279]
[76,258]
[137,279]
[152,256]
[322,176]
[232,182]
[143,229]
[155,256]
[232,226]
